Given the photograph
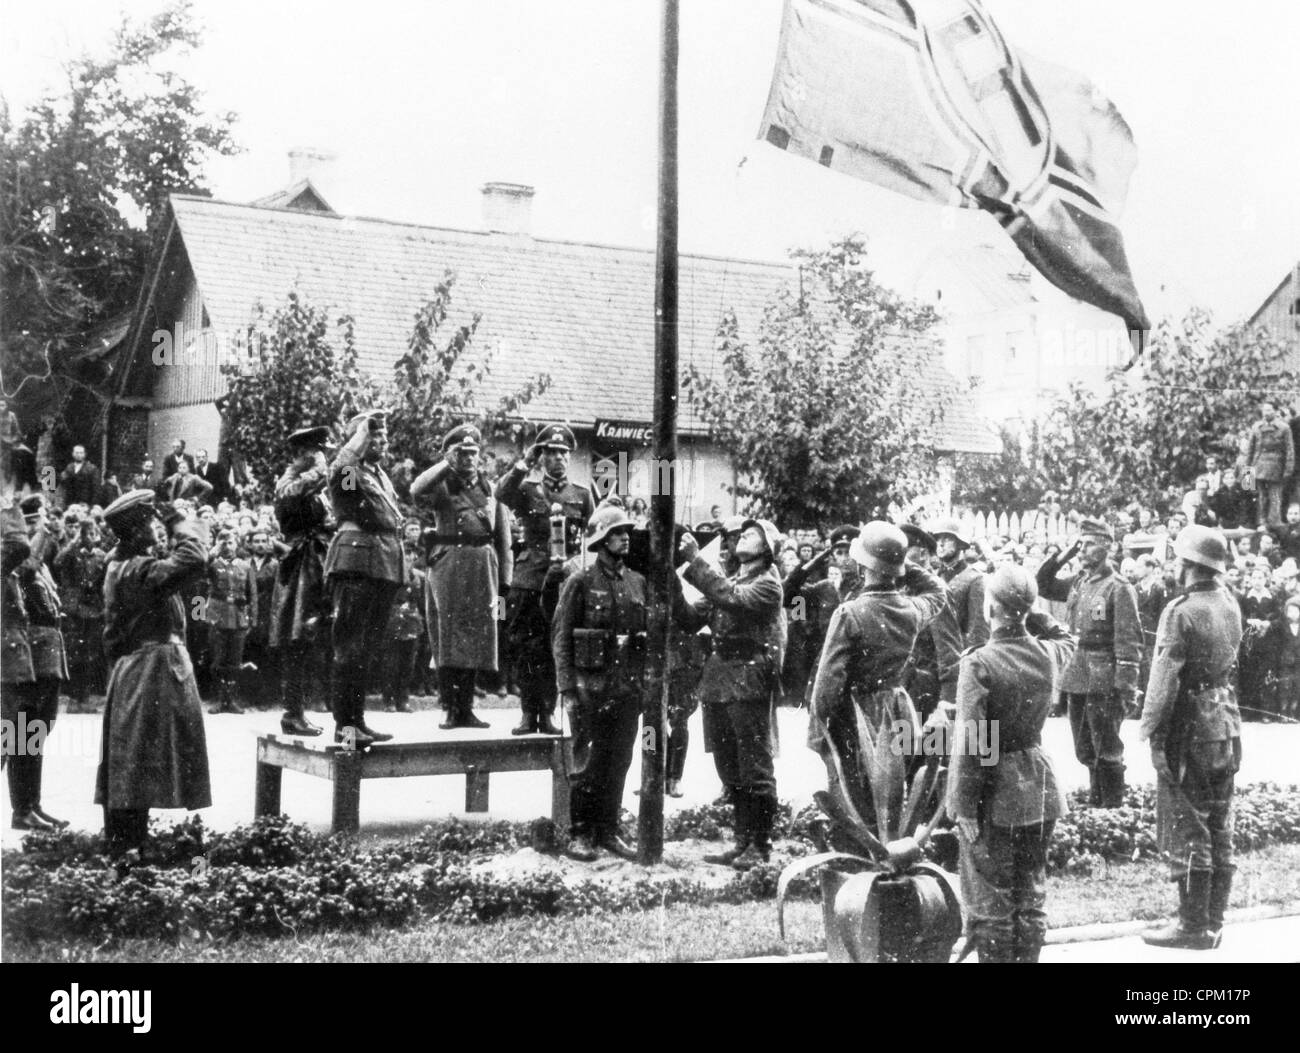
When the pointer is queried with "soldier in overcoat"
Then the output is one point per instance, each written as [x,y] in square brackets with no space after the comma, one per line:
[1194,727]
[1101,681]
[469,568]
[300,616]
[155,751]
[1006,804]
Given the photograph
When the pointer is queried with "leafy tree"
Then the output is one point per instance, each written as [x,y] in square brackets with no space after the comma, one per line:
[832,412]
[300,369]
[436,385]
[1196,392]
[1006,481]
[126,131]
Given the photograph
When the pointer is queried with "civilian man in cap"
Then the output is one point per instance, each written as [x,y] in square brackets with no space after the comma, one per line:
[867,652]
[536,489]
[35,610]
[1005,810]
[598,642]
[364,568]
[155,752]
[1101,681]
[469,567]
[741,678]
[300,614]
[1193,724]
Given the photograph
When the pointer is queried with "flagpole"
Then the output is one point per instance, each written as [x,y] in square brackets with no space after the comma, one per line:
[650,822]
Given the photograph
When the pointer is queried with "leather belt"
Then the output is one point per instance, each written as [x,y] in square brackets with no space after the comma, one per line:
[457,539]
[351,524]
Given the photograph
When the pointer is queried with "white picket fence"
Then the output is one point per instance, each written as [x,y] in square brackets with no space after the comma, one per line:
[1012,525]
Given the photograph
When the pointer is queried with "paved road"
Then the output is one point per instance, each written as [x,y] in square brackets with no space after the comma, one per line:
[403,805]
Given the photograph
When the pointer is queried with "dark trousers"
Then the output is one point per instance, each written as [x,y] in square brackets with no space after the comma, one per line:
[361,610]
[740,736]
[303,673]
[1194,818]
[226,648]
[85,640]
[682,704]
[29,711]
[604,736]
[399,670]
[528,632]
[1004,884]
[1095,721]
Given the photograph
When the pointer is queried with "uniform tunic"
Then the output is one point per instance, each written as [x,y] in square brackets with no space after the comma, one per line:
[300,604]
[155,751]
[1009,685]
[1191,718]
[598,643]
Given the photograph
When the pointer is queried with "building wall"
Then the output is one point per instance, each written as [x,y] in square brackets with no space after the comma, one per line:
[1280,315]
[191,374]
[198,425]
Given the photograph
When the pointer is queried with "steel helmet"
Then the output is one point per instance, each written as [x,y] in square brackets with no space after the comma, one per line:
[769,531]
[1202,545]
[604,520]
[881,547]
[951,527]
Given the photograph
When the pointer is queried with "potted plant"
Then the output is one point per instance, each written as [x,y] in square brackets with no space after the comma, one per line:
[881,901]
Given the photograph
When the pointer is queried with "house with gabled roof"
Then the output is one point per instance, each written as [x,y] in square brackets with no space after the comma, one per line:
[580,312]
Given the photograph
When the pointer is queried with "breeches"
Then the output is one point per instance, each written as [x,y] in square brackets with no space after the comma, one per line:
[361,609]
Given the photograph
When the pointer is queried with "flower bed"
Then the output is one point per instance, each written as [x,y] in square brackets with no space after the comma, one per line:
[277,877]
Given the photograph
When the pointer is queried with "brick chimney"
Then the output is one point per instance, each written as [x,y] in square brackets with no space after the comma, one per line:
[307,161]
[508,208]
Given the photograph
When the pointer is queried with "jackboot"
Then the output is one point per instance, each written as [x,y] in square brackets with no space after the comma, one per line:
[449,697]
[761,813]
[1220,892]
[743,835]
[545,725]
[527,724]
[1110,782]
[1094,787]
[1191,930]
[465,692]
[1029,938]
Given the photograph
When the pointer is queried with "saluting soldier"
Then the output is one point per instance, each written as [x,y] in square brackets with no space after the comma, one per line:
[80,569]
[35,665]
[741,678]
[231,611]
[868,649]
[965,583]
[1101,681]
[598,641]
[364,568]
[1006,806]
[536,489]
[155,752]
[300,617]
[1194,727]
[469,568]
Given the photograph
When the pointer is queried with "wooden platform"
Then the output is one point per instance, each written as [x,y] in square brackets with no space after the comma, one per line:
[475,758]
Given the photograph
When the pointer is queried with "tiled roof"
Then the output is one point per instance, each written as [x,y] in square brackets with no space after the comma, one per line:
[583,313]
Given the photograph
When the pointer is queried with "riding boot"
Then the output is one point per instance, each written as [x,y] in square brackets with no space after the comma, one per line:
[1220,892]
[743,835]
[1110,776]
[1094,787]
[1191,930]
[465,684]
[762,812]
[449,698]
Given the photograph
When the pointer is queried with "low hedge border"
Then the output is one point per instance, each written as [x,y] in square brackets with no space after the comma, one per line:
[277,877]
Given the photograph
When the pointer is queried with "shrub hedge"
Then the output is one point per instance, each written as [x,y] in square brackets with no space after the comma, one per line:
[277,877]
